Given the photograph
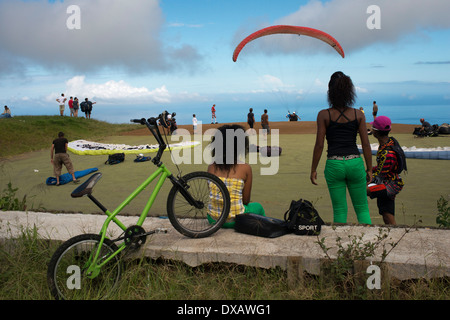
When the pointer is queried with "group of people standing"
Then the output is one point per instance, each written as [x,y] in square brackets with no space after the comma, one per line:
[264,120]
[345,167]
[250,119]
[58,153]
[74,106]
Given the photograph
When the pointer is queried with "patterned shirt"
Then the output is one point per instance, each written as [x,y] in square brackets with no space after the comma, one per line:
[235,187]
[387,165]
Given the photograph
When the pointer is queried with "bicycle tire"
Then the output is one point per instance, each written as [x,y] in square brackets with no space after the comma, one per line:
[73,283]
[193,222]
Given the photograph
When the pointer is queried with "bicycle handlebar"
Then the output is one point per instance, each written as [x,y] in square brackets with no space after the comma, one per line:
[162,118]
[140,121]
[152,125]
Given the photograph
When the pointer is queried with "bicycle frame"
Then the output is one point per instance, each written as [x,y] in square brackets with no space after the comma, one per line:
[163,174]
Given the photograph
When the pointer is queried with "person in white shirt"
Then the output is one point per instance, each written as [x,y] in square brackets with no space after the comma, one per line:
[62,103]
[194,122]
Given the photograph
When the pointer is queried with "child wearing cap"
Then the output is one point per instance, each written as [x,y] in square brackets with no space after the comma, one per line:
[391,161]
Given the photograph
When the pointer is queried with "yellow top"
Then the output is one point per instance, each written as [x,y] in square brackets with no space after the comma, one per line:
[235,187]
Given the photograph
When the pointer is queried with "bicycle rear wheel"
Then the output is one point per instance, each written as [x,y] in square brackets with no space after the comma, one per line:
[66,274]
[196,222]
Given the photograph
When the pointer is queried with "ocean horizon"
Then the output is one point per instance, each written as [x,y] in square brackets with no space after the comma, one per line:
[237,112]
[435,114]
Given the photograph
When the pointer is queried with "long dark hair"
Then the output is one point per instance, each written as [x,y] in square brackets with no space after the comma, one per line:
[229,143]
[341,91]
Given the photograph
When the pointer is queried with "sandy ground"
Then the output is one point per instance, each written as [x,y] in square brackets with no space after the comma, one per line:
[285,127]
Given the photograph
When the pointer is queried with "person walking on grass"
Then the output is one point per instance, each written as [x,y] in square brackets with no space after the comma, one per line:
[340,125]
[59,156]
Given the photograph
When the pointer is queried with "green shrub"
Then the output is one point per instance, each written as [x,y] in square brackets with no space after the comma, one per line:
[443,216]
[8,200]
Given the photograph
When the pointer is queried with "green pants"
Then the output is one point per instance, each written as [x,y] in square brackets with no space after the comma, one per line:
[347,174]
[252,207]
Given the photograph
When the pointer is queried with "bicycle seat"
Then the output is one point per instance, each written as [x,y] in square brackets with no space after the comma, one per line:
[86,187]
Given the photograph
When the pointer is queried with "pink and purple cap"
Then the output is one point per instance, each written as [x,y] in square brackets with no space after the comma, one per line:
[382,123]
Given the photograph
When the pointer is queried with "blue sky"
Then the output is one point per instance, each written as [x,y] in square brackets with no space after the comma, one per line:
[138,57]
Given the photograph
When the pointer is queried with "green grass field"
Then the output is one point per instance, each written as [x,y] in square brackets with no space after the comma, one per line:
[425,181]
[25,148]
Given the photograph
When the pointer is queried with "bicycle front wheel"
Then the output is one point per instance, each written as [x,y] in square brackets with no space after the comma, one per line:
[66,274]
[197,221]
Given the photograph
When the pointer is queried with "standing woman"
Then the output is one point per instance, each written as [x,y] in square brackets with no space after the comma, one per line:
[76,106]
[344,168]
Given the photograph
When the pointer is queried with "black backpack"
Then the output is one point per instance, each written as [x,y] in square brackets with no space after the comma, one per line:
[401,157]
[253,224]
[83,106]
[303,219]
[115,158]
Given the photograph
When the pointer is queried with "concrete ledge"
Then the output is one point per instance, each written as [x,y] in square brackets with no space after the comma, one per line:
[421,252]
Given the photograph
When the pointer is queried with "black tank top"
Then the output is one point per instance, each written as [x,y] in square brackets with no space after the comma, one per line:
[341,136]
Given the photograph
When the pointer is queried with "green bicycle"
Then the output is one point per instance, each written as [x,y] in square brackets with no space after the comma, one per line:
[88,266]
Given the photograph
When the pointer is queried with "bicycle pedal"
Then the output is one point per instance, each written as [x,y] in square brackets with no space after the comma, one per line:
[161,230]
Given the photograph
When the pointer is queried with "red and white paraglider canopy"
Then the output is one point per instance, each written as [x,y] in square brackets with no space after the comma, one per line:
[286,29]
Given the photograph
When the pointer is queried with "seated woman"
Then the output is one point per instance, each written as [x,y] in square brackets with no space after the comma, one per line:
[230,146]
[6,113]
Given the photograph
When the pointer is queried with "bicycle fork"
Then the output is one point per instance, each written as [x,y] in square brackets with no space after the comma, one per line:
[181,185]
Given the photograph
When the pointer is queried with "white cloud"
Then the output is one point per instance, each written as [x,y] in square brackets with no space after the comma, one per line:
[115,34]
[181,25]
[319,83]
[273,82]
[346,21]
[361,90]
[113,92]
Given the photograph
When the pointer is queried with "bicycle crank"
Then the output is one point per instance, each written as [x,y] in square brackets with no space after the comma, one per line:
[135,236]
